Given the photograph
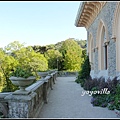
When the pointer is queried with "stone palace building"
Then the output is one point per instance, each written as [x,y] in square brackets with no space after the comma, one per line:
[102,22]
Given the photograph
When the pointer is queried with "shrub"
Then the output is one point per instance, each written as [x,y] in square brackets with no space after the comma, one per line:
[84,73]
[117,97]
[102,83]
[111,84]
[103,99]
[90,83]
[99,100]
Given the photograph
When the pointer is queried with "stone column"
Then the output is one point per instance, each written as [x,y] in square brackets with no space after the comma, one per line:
[51,85]
[45,91]
[20,106]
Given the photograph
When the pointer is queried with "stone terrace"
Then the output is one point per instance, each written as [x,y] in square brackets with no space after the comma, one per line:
[52,97]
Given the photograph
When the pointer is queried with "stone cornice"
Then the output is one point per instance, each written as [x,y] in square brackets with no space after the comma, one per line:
[87,12]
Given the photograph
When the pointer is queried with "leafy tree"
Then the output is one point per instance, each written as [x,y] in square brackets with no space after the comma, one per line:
[58,45]
[51,46]
[53,57]
[13,46]
[1,74]
[40,49]
[71,53]
[7,63]
[36,48]
[27,56]
[82,43]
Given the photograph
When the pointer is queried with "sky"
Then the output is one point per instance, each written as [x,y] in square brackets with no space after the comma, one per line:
[39,22]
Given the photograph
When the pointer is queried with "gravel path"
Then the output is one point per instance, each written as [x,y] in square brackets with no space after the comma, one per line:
[65,101]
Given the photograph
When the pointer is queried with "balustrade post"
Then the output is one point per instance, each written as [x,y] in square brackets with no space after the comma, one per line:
[45,92]
[56,72]
[51,82]
[20,106]
[54,78]
[4,109]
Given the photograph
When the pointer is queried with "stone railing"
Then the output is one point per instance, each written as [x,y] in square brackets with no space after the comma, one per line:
[66,73]
[27,106]
[4,104]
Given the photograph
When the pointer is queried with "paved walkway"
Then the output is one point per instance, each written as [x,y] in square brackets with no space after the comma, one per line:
[65,101]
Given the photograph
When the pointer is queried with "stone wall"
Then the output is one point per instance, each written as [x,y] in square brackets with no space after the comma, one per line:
[107,16]
[29,105]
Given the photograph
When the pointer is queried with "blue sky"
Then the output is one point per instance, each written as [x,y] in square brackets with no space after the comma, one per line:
[39,23]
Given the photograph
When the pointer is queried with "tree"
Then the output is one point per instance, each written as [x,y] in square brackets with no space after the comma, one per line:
[24,57]
[82,43]
[7,64]
[27,56]
[13,46]
[53,57]
[84,73]
[71,53]
[39,49]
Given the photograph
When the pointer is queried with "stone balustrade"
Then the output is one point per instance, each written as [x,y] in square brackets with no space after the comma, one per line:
[65,73]
[27,106]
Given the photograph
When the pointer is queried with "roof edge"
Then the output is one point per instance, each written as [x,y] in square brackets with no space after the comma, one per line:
[81,6]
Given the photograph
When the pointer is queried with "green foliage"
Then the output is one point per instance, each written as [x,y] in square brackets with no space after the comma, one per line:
[24,57]
[71,53]
[7,63]
[28,57]
[58,45]
[84,55]
[117,97]
[39,49]
[82,43]
[53,56]
[84,73]
[100,100]
[13,46]
[22,72]
[51,46]
[64,55]
[61,61]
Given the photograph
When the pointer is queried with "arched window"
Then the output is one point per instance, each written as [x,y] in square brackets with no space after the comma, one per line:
[102,43]
[105,57]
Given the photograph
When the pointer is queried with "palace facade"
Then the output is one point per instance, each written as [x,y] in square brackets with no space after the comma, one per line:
[102,22]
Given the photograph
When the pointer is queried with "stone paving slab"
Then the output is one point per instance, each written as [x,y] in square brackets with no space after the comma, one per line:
[66,101]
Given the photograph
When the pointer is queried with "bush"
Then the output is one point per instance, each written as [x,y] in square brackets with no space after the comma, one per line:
[117,97]
[103,99]
[84,73]
[111,84]
[99,100]
[90,83]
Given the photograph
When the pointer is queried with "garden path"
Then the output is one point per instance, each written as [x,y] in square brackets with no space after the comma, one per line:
[66,101]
